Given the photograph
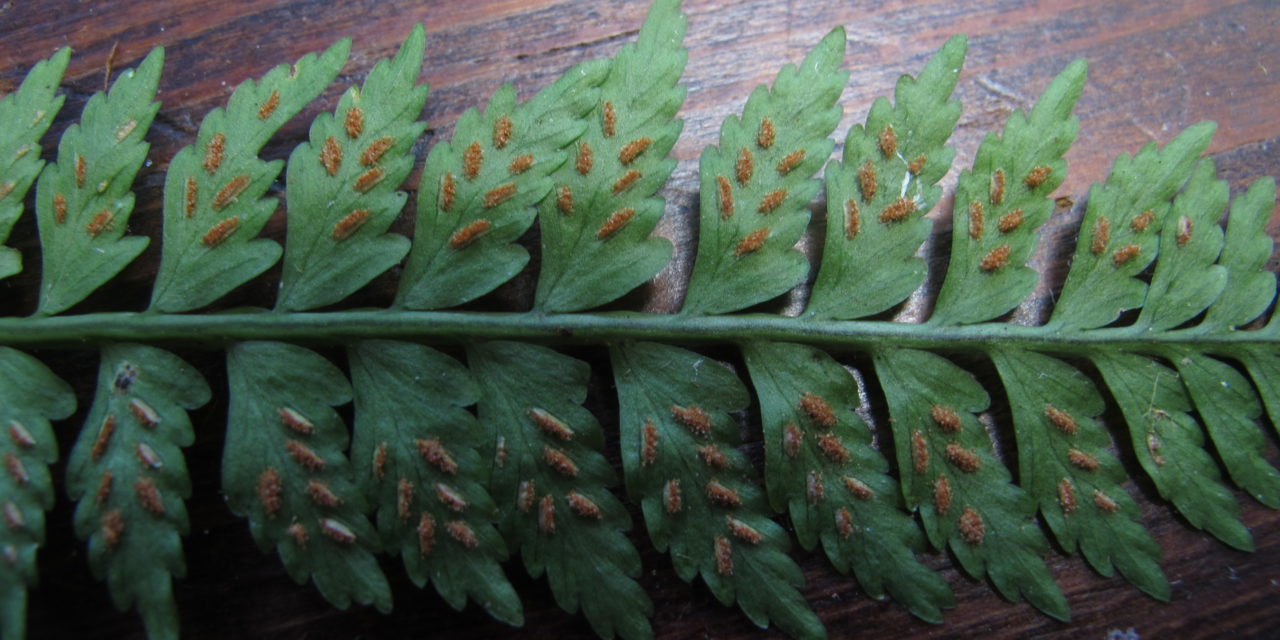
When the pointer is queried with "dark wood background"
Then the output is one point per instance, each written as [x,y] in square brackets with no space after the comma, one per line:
[1156,67]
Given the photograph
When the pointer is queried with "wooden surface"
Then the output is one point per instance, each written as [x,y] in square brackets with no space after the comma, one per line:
[1156,67]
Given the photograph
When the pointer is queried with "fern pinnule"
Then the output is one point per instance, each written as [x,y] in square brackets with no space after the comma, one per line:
[129,478]
[869,264]
[629,132]
[550,481]
[213,204]
[1002,201]
[26,114]
[412,434]
[756,184]
[285,469]
[478,191]
[1054,414]
[965,494]
[30,397]
[811,434]
[342,193]
[84,200]
[697,491]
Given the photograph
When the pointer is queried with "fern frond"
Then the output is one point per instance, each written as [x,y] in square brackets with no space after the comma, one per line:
[26,114]
[460,461]
[129,478]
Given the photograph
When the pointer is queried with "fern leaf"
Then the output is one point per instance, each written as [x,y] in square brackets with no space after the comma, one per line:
[963,492]
[413,436]
[30,396]
[1002,201]
[870,265]
[551,484]
[756,184]
[1250,288]
[696,489]
[596,223]
[819,465]
[129,478]
[1119,235]
[1064,456]
[342,183]
[478,192]
[213,191]
[84,200]
[284,468]
[1169,444]
[26,114]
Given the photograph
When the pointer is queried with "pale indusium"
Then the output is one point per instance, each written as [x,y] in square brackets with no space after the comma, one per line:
[422,495]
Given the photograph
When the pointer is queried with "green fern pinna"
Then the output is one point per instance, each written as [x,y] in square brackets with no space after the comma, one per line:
[457,461]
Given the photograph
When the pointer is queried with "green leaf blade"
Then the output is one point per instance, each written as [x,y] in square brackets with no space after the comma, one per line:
[551,483]
[1001,203]
[1186,280]
[697,491]
[129,478]
[27,114]
[1169,444]
[83,201]
[213,191]
[1119,235]
[835,485]
[756,184]
[869,265]
[30,396]
[584,264]
[1229,408]
[478,191]
[412,435]
[1064,457]
[342,188]
[964,493]
[285,469]
[1250,288]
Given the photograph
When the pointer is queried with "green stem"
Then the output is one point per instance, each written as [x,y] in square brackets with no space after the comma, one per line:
[218,329]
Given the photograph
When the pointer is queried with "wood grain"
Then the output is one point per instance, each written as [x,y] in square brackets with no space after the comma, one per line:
[1156,67]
